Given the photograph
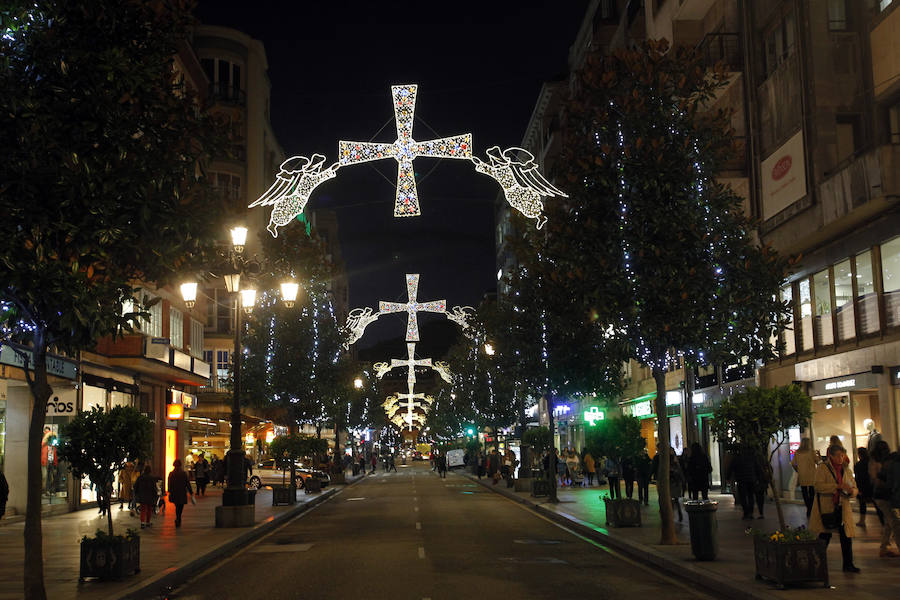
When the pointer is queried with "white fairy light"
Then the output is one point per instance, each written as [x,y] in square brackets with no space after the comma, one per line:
[295,182]
[412,307]
[522,183]
[404,150]
[357,321]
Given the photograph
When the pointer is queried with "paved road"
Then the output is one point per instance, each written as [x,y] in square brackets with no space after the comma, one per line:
[411,535]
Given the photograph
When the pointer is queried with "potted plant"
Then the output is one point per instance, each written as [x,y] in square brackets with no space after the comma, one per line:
[788,556]
[96,445]
[539,440]
[620,440]
[287,450]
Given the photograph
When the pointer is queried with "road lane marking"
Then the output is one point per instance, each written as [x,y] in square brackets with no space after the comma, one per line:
[418,525]
[352,499]
[421,552]
[282,548]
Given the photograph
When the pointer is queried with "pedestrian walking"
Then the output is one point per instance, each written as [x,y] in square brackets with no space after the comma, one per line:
[145,493]
[835,486]
[866,487]
[493,466]
[676,483]
[248,469]
[589,467]
[126,486]
[744,470]
[392,464]
[201,474]
[628,475]
[374,460]
[510,462]
[644,473]
[880,462]
[219,471]
[612,470]
[179,487]
[4,494]
[442,465]
[804,463]
[698,470]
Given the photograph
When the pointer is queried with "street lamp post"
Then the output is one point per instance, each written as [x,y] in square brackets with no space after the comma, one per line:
[236,510]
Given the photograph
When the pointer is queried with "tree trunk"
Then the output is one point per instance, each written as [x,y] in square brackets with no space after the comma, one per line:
[775,494]
[667,520]
[338,457]
[34,550]
[107,497]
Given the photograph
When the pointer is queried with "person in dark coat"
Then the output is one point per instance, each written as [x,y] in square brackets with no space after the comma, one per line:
[643,470]
[179,489]
[4,494]
[145,495]
[698,470]
[201,474]
[745,471]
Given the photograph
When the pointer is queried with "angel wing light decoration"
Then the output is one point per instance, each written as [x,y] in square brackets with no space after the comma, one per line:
[295,182]
[443,369]
[523,185]
[461,316]
[357,321]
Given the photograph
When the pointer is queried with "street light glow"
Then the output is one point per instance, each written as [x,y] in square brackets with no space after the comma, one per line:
[289,291]
[238,238]
[189,293]
[248,299]
[489,349]
[358,383]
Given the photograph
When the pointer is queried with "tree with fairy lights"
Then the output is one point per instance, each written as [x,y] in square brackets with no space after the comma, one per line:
[102,143]
[649,244]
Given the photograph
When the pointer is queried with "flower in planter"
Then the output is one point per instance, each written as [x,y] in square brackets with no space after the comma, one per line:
[786,535]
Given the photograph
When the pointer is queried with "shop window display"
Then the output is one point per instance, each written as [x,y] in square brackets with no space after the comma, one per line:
[787,296]
[866,418]
[822,291]
[806,313]
[831,416]
[890,269]
[54,474]
[867,298]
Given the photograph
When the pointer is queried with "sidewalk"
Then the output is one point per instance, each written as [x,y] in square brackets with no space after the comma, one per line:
[168,555]
[732,574]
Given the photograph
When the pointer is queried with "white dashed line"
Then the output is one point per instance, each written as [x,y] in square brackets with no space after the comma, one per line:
[418,525]
[421,552]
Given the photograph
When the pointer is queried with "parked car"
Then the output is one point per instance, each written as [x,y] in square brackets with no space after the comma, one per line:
[267,473]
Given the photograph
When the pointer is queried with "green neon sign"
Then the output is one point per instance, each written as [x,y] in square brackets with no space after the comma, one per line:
[593,415]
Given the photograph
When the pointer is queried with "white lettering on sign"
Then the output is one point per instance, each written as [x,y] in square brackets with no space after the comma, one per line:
[642,409]
[673,398]
[839,385]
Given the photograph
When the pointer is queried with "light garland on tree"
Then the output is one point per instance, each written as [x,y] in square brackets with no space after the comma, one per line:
[412,307]
[294,183]
[404,150]
[514,169]
[523,185]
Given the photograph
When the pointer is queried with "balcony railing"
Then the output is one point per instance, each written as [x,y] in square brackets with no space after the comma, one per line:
[227,94]
[722,47]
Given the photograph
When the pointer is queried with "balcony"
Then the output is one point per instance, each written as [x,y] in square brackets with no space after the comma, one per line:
[722,47]
[224,94]
[864,177]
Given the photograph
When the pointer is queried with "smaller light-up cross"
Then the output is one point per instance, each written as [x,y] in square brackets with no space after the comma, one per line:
[413,307]
[593,415]
[410,363]
[404,150]
[411,402]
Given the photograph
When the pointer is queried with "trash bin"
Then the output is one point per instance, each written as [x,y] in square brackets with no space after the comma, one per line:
[704,528]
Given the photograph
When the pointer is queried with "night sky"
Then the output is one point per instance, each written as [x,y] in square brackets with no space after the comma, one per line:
[479,67]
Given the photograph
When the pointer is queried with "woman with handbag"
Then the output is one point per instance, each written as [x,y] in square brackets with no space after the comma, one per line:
[831,512]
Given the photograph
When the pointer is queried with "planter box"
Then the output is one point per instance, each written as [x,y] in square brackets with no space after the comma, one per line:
[110,560]
[788,563]
[312,485]
[283,495]
[540,487]
[338,478]
[622,512]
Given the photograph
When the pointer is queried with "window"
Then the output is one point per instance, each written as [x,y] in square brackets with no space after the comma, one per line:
[787,296]
[227,185]
[222,368]
[866,297]
[822,292]
[196,338]
[224,77]
[152,327]
[837,15]
[208,359]
[883,4]
[843,300]
[890,272]
[846,136]
[805,302]
[894,122]
[779,43]
[176,328]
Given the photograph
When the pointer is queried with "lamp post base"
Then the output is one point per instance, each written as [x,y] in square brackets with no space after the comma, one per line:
[235,496]
[235,516]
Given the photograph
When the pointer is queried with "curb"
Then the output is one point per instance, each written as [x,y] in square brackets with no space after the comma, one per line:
[161,584]
[681,570]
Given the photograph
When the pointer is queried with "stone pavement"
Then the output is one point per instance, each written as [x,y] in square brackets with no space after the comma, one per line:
[168,555]
[732,574]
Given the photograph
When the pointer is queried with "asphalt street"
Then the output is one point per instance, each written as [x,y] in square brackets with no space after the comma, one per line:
[411,535]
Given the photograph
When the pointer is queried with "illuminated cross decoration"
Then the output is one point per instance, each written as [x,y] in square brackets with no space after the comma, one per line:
[411,404]
[404,150]
[411,363]
[413,307]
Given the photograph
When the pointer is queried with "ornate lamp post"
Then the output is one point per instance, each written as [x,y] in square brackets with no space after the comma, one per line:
[236,510]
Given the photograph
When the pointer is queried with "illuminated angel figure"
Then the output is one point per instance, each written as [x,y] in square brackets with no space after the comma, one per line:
[295,182]
[461,315]
[443,369]
[381,368]
[523,185]
[357,321]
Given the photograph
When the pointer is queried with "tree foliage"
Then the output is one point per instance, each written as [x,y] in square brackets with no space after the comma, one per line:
[759,419]
[538,439]
[97,443]
[618,438]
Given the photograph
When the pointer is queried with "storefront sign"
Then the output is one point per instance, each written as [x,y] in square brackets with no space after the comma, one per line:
[860,381]
[175,412]
[561,409]
[57,407]
[594,415]
[783,176]
[673,398]
[642,409]
[55,365]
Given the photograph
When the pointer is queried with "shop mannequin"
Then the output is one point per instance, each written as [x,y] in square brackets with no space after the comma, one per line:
[874,435]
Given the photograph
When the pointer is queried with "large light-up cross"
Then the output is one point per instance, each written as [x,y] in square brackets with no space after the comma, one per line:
[413,307]
[404,150]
